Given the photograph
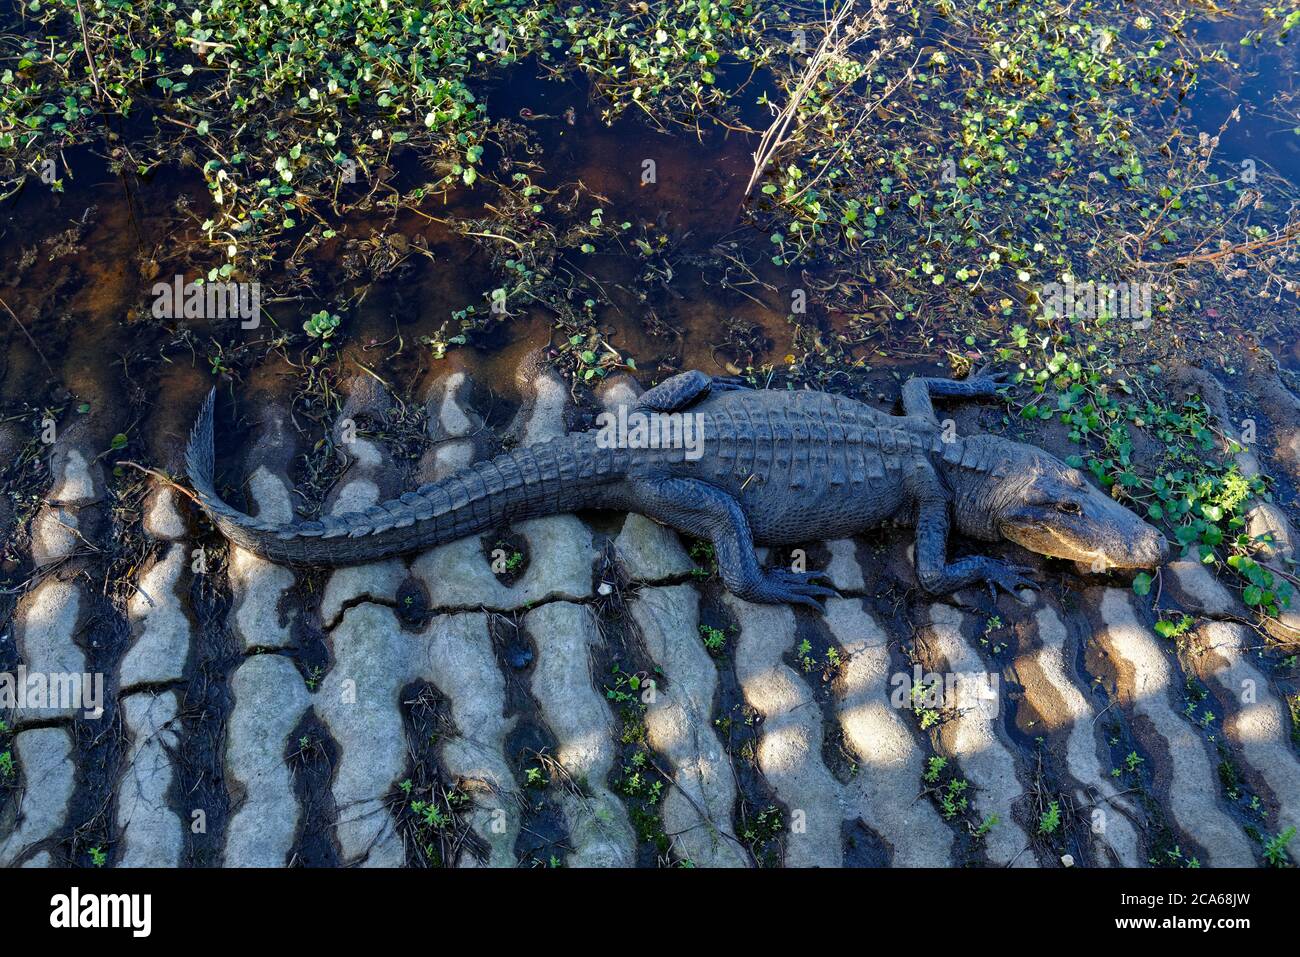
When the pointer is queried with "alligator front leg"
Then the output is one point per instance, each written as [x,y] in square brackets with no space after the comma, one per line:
[919,392]
[933,570]
[684,390]
[706,511]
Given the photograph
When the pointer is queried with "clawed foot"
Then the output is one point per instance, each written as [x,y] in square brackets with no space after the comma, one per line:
[728,383]
[1011,579]
[985,382]
[796,588]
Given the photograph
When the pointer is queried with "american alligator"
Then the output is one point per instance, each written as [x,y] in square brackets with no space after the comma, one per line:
[772,467]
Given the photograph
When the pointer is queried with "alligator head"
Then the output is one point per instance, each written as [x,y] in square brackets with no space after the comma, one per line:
[1032,498]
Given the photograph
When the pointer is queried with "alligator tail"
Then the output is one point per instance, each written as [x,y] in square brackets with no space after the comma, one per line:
[200,466]
[200,459]
[563,474]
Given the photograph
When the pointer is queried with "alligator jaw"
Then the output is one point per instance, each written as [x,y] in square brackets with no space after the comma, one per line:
[1052,510]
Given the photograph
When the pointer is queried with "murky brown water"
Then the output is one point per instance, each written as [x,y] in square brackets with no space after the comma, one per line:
[79,266]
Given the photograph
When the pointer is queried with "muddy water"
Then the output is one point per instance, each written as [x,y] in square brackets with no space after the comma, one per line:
[79,265]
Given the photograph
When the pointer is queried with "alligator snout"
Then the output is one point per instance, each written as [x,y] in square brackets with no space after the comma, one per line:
[1123,540]
[1153,550]
[1062,516]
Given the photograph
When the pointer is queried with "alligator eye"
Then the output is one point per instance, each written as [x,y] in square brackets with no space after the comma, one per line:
[1069,508]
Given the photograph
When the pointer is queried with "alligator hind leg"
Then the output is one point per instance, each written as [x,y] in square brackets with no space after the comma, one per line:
[919,392]
[705,511]
[684,390]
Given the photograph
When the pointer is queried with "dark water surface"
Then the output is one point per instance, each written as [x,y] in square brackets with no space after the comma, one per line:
[79,264]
